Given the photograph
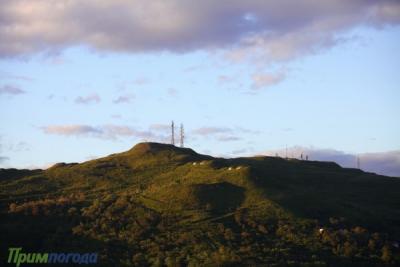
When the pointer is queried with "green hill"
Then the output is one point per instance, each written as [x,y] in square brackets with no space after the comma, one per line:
[160,205]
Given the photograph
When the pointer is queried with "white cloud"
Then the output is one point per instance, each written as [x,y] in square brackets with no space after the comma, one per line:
[108,131]
[160,127]
[262,80]
[71,130]
[275,30]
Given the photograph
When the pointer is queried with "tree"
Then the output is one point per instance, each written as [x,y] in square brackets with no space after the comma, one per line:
[386,254]
[348,249]
[138,259]
[12,208]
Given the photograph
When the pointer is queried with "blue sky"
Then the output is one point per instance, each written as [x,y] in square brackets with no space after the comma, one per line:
[73,99]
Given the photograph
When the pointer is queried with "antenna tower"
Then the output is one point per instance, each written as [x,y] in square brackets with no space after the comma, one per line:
[182,135]
[172,133]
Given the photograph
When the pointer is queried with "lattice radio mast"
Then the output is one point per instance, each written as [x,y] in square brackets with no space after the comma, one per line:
[172,133]
[182,135]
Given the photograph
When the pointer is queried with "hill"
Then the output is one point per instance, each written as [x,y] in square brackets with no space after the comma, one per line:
[160,205]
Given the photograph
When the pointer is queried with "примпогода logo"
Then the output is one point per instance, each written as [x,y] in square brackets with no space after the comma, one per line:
[16,256]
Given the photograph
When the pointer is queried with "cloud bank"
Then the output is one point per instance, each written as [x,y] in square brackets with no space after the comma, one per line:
[277,30]
[155,132]
[109,131]
[386,163]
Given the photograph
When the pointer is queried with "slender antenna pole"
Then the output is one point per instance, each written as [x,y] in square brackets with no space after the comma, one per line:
[182,135]
[172,133]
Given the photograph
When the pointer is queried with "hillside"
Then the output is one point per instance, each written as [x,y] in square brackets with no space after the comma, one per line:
[160,205]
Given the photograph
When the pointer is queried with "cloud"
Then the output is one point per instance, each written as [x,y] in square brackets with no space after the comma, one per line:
[11,90]
[172,92]
[116,116]
[124,99]
[21,78]
[223,79]
[262,80]
[247,131]
[205,131]
[114,131]
[93,98]
[141,81]
[3,159]
[71,130]
[227,138]
[258,28]
[160,127]
[24,78]
[108,131]
[222,134]
[386,163]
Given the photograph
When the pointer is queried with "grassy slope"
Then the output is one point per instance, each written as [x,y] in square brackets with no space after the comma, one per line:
[177,191]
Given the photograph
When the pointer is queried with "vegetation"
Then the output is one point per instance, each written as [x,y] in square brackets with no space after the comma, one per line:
[159,205]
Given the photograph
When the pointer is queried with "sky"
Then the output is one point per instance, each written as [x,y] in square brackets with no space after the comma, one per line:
[83,79]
